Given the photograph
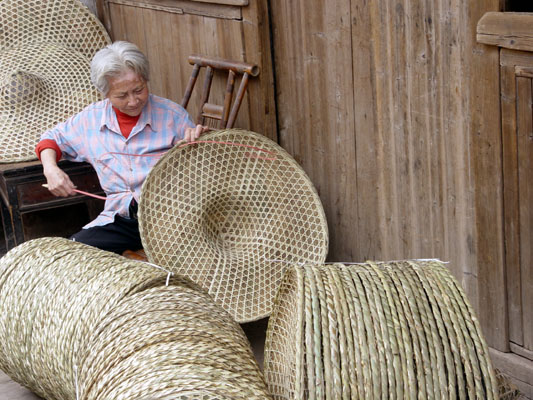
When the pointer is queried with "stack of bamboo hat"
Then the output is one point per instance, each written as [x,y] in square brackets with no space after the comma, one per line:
[231,212]
[398,330]
[45,52]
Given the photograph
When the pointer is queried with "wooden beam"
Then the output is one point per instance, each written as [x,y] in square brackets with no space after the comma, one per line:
[519,369]
[227,2]
[215,9]
[509,30]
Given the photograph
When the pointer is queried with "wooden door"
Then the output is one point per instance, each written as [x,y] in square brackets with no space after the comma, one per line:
[517,137]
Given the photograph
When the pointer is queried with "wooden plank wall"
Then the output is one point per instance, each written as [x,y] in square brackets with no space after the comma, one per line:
[392,108]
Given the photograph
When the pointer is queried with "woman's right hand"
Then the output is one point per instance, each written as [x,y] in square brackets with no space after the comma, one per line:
[58,181]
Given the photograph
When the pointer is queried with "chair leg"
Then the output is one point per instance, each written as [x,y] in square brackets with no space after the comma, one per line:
[205,92]
[238,101]
[190,86]
[227,99]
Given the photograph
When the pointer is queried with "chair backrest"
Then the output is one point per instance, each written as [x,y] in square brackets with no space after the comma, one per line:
[227,112]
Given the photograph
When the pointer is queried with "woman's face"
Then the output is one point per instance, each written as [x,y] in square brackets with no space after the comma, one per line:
[128,93]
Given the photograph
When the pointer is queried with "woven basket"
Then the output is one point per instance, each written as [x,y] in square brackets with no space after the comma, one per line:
[81,323]
[375,330]
[229,213]
[45,53]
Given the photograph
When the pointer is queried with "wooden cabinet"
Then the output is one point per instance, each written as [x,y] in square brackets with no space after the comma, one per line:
[22,194]
[168,31]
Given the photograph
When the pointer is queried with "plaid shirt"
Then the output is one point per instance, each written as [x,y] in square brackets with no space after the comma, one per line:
[122,164]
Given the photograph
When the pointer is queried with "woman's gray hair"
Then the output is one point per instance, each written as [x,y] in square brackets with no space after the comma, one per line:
[115,59]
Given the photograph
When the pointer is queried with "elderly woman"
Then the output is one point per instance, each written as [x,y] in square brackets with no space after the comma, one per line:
[122,137]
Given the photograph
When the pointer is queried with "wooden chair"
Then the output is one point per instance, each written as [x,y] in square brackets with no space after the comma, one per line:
[226,113]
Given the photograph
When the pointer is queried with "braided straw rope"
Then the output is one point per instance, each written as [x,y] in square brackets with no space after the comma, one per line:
[45,52]
[394,330]
[229,213]
[81,323]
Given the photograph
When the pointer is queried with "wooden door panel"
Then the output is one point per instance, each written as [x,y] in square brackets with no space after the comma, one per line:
[517,139]
[525,199]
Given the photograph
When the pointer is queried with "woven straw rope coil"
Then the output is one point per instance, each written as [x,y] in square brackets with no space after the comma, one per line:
[188,345]
[375,330]
[45,52]
[78,322]
[230,213]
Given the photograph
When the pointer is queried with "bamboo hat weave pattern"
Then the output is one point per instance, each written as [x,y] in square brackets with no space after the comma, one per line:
[398,330]
[45,52]
[229,213]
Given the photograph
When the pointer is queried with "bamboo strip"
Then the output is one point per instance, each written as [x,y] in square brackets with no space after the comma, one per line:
[284,338]
[46,48]
[230,212]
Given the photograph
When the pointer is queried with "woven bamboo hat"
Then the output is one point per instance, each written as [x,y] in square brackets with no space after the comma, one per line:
[45,52]
[229,213]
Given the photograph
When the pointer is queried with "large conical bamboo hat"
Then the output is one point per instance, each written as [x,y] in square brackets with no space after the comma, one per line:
[230,213]
[45,52]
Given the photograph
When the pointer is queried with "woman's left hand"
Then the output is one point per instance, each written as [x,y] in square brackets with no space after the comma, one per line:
[191,134]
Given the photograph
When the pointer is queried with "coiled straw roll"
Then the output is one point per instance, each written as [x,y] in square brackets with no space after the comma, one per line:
[80,323]
[375,330]
[170,343]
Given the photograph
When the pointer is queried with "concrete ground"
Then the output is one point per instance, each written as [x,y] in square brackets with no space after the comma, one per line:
[256,332]
[10,390]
